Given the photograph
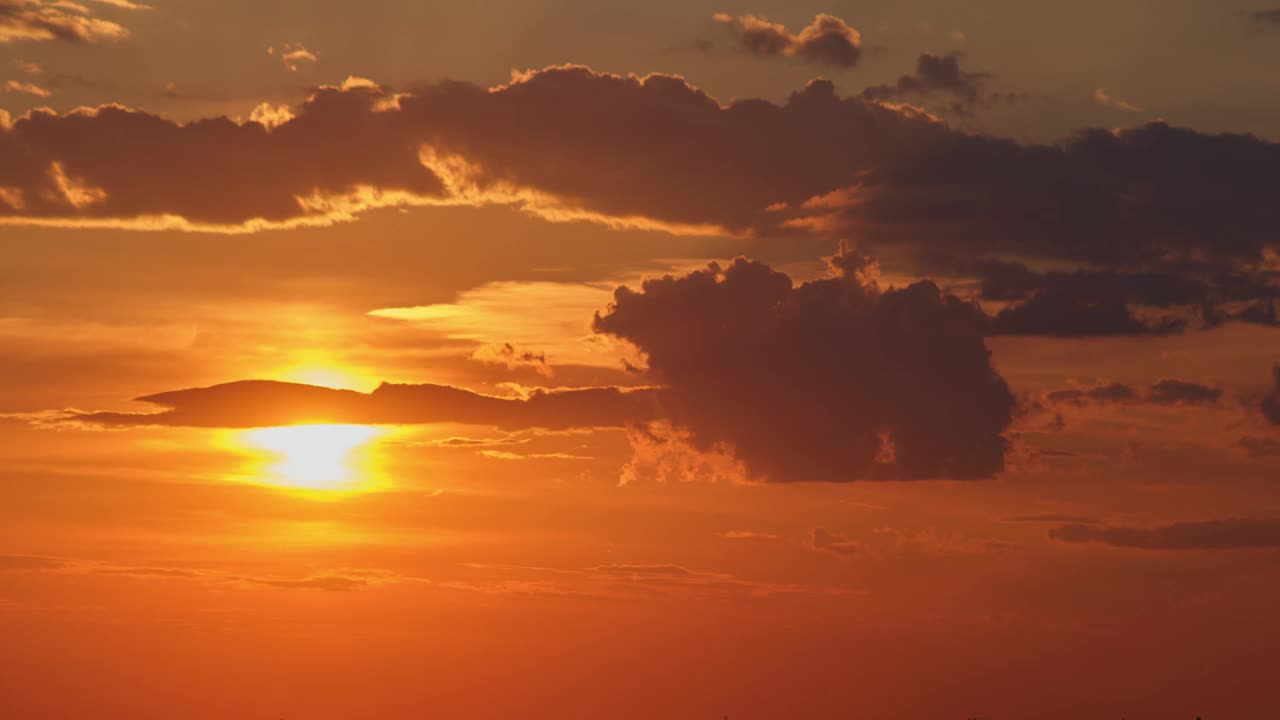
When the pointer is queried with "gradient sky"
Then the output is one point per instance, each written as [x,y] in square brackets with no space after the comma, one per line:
[638,359]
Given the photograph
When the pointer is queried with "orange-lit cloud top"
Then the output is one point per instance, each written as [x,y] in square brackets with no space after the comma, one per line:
[828,40]
[67,21]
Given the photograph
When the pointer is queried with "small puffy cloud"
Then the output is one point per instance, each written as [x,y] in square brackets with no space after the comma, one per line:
[27,88]
[40,20]
[27,67]
[1230,534]
[828,40]
[293,55]
[1103,98]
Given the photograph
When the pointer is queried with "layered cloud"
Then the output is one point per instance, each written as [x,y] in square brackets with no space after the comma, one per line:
[1230,534]
[571,143]
[828,40]
[832,380]
[36,20]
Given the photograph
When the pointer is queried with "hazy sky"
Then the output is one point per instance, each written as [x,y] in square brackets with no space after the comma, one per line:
[650,360]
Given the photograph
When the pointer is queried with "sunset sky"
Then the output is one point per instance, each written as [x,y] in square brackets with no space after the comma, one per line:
[569,359]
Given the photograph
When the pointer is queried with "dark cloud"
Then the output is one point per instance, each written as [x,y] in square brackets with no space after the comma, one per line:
[1229,534]
[1259,447]
[264,403]
[1164,392]
[1271,401]
[1051,518]
[827,40]
[1063,313]
[36,20]
[617,142]
[938,75]
[1268,16]
[822,540]
[1179,392]
[832,380]
[571,143]
[1115,392]
[1147,198]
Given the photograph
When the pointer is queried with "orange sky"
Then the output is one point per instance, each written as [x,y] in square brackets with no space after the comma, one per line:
[649,360]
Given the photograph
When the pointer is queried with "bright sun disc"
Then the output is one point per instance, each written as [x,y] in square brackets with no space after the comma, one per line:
[315,457]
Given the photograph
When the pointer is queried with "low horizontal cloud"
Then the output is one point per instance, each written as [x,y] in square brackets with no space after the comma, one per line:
[27,88]
[1268,16]
[38,20]
[826,541]
[1105,99]
[1231,534]
[828,40]
[1164,392]
[266,403]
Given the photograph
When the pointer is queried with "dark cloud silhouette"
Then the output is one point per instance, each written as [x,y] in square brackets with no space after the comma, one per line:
[264,403]
[934,76]
[1231,534]
[571,143]
[1271,401]
[617,142]
[827,40]
[1178,392]
[1063,313]
[1268,16]
[1115,392]
[822,540]
[833,380]
[1052,518]
[1259,447]
[1164,392]
[1149,198]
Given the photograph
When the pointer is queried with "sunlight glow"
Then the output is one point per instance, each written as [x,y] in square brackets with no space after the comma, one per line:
[315,457]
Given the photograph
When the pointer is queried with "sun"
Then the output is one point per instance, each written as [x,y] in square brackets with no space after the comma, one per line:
[314,457]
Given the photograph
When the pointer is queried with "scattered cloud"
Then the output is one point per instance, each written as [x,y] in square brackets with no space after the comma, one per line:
[938,75]
[1231,534]
[834,543]
[27,88]
[828,40]
[293,55]
[1103,98]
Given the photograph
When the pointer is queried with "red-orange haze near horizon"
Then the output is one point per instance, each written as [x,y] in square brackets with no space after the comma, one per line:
[883,360]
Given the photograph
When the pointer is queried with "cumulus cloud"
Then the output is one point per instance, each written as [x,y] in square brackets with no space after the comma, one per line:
[828,40]
[1230,534]
[37,20]
[832,380]
[1148,200]
[938,75]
